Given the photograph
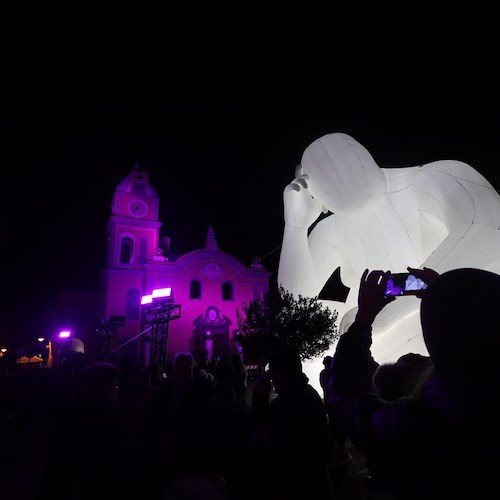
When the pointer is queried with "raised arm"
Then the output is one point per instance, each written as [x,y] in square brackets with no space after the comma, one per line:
[296,271]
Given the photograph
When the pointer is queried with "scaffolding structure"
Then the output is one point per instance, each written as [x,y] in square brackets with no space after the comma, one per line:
[106,330]
[158,314]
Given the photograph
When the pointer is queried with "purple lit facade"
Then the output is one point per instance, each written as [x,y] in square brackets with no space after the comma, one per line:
[208,283]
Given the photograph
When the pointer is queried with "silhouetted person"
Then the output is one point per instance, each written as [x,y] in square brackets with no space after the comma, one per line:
[156,374]
[88,443]
[202,371]
[212,365]
[443,442]
[137,405]
[338,435]
[400,379]
[323,374]
[293,434]
[241,379]
[185,421]
[225,378]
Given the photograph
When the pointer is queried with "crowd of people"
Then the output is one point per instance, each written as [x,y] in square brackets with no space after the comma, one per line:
[429,429]
[427,426]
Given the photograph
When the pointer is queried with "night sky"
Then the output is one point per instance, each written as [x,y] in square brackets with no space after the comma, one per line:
[220,136]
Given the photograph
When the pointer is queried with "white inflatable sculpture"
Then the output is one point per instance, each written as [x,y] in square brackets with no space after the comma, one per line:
[442,215]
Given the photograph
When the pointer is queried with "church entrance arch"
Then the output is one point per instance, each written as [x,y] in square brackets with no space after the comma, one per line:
[212,334]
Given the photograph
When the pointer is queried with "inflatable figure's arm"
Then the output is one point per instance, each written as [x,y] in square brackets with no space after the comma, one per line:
[474,245]
[469,207]
[457,195]
[296,271]
[301,209]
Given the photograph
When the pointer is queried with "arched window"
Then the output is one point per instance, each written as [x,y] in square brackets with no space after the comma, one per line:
[126,250]
[195,290]
[133,306]
[227,291]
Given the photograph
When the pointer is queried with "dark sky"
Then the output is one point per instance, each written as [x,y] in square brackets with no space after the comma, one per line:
[220,136]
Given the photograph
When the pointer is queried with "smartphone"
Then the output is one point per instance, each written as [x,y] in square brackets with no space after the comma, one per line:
[404,284]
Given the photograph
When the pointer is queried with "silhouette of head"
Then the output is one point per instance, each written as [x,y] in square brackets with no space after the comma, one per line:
[99,382]
[285,366]
[415,360]
[461,325]
[236,359]
[183,365]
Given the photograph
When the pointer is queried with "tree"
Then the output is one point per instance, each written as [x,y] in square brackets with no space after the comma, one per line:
[268,322]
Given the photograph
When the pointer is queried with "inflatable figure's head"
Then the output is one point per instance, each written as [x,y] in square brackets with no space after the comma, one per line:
[343,176]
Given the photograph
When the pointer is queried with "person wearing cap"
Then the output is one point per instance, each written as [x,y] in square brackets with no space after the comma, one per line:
[442,441]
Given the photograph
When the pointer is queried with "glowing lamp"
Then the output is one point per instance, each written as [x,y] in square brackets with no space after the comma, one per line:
[64,334]
[157,293]
[146,299]
[161,292]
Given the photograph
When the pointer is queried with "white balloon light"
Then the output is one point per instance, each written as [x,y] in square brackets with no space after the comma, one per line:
[442,215]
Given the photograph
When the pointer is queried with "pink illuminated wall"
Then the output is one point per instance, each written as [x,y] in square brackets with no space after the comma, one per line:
[139,266]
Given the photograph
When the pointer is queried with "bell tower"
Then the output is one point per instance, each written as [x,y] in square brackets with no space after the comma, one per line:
[133,241]
[133,228]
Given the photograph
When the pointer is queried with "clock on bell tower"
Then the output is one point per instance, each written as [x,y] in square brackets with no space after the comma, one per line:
[137,208]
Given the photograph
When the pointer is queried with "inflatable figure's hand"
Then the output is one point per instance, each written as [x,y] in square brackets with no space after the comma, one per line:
[301,209]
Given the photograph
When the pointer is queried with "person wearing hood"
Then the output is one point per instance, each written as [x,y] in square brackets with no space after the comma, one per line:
[441,441]
[293,433]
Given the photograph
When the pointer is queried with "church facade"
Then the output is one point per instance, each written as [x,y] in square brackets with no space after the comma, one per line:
[208,285]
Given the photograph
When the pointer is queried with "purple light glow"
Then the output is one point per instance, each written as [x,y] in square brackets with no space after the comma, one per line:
[64,334]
